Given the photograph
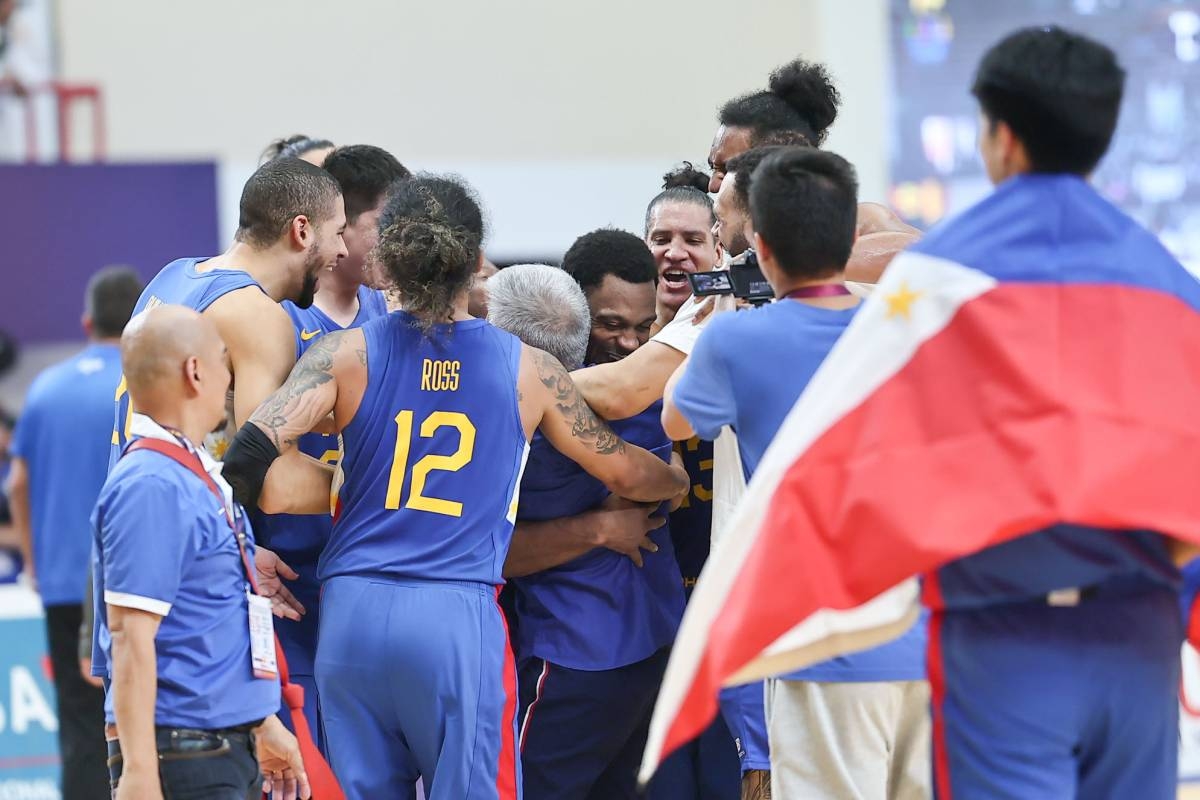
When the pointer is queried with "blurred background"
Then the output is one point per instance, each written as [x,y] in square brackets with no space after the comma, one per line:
[127,130]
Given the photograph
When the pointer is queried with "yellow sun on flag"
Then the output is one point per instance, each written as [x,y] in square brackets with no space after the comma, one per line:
[900,302]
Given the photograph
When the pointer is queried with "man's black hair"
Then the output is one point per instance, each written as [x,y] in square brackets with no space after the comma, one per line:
[111,296]
[686,176]
[609,251]
[800,96]
[1058,91]
[743,166]
[364,172]
[278,192]
[804,205]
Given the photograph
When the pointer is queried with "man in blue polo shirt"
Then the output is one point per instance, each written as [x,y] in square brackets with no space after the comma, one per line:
[854,726]
[190,655]
[594,624]
[60,458]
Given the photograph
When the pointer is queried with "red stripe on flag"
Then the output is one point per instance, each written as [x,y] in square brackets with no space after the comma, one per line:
[506,772]
[1069,403]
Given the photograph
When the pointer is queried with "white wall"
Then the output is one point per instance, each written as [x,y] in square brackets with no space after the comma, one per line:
[563,114]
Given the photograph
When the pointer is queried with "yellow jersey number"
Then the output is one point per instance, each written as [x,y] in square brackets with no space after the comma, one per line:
[417,500]
[122,388]
[701,493]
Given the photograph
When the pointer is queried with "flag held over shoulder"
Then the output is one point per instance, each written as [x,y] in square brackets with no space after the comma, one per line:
[1035,360]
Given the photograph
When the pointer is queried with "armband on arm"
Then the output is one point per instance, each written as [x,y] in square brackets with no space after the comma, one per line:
[246,463]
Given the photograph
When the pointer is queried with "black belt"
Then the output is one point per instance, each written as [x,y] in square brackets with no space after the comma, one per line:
[182,740]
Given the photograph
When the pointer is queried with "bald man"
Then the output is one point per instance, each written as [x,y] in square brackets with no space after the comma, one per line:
[189,697]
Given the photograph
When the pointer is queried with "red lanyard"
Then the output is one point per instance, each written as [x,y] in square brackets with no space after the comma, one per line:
[186,458]
[820,290]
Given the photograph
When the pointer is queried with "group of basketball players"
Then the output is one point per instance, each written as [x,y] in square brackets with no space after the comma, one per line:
[413,672]
[402,457]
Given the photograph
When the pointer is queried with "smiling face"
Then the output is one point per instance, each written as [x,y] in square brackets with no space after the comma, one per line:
[327,248]
[622,313]
[681,240]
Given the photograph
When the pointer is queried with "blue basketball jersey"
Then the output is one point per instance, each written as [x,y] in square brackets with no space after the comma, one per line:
[178,283]
[598,611]
[301,534]
[298,539]
[433,457]
[691,523]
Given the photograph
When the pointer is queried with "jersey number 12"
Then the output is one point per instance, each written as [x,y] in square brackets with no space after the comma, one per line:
[417,500]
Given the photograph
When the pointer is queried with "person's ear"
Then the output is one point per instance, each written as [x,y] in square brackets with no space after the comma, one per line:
[300,232]
[763,249]
[191,374]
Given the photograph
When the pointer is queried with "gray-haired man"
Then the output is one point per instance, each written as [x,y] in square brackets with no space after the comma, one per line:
[595,615]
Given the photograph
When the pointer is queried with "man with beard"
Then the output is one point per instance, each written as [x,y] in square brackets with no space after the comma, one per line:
[290,225]
[597,594]
[342,301]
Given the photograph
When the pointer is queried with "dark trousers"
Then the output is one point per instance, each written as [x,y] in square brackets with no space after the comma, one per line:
[582,732]
[80,710]
[200,765]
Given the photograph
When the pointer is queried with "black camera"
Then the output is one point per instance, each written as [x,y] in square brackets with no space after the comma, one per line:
[744,280]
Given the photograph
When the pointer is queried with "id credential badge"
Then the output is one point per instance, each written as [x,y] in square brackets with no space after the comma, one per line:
[262,637]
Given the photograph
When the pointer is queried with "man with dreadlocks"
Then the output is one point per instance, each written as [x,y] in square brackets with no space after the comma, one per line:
[436,410]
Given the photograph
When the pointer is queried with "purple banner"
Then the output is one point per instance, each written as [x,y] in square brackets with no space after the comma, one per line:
[61,223]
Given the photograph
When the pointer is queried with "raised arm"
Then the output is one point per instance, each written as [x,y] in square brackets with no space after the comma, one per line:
[630,386]
[550,401]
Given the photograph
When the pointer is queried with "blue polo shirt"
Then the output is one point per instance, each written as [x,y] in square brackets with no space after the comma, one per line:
[63,436]
[747,371]
[598,611]
[163,545]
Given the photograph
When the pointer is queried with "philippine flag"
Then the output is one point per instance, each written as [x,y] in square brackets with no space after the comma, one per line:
[1033,361]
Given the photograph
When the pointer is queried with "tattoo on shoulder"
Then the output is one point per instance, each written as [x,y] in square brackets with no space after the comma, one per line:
[283,413]
[585,425]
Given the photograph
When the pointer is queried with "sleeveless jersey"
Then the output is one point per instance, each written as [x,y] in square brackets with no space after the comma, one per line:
[299,538]
[178,283]
[432,460]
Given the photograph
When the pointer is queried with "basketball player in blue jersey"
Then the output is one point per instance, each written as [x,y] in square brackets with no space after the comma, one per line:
[342,301]
[436,410]
[594,627]
[290,225]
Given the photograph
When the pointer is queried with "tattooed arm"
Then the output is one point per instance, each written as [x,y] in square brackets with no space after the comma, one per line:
[310,393]
[551,402]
